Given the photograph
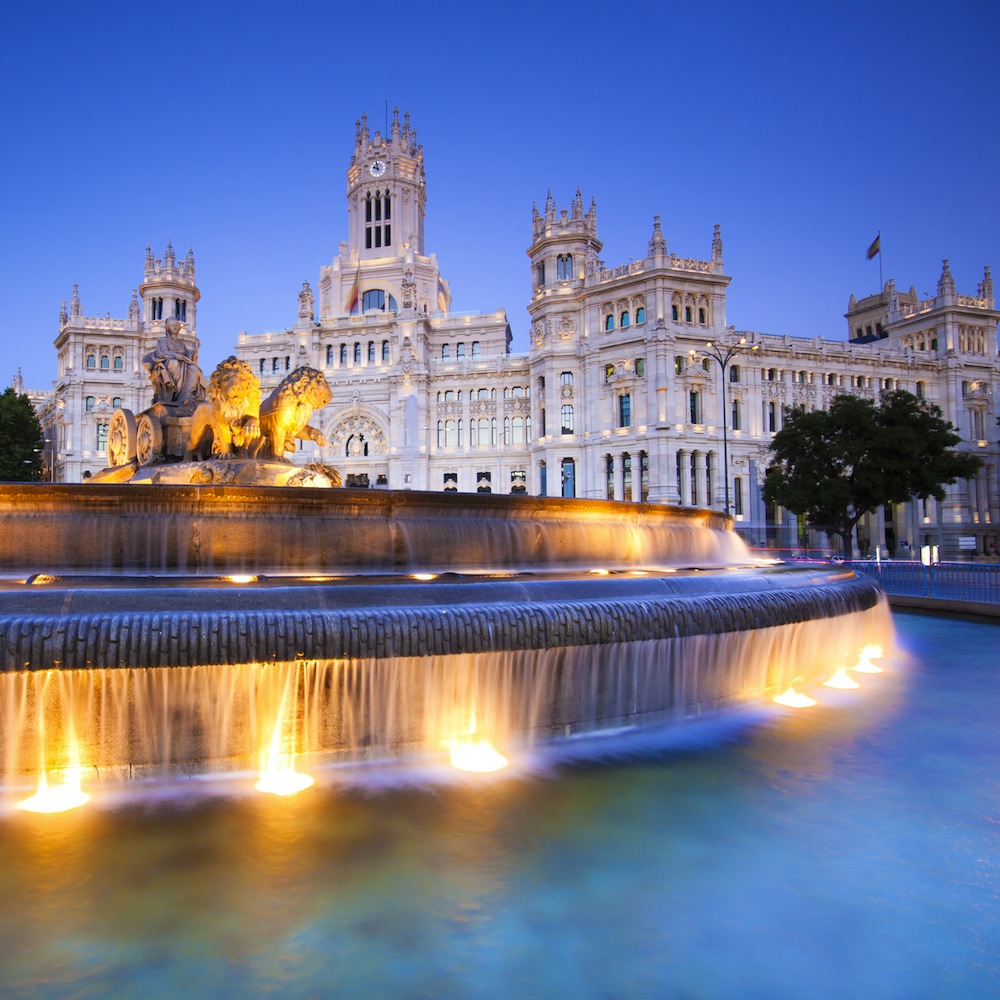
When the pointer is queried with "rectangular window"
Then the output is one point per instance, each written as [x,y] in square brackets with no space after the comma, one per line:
[626,476]
[738,496]
[643,476]
[566,378]
[694,402]
[609,464]
[736,415]
[625,411]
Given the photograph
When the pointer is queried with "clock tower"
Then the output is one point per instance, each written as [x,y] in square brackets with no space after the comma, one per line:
[386,192]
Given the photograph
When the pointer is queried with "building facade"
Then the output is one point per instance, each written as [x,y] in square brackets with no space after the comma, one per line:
[618,396]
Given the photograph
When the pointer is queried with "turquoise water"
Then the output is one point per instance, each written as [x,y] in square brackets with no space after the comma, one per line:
[852,850]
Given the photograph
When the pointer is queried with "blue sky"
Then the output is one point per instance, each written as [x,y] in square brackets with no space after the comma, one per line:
[803,129]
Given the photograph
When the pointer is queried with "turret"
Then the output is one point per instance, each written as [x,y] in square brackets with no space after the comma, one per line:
[169,289]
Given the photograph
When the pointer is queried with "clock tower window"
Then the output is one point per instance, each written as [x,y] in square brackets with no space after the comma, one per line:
[378,220]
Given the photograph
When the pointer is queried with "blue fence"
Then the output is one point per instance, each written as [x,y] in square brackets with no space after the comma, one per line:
[951,581]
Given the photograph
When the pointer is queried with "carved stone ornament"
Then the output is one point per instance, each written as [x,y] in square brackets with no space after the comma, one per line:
[566,327]
[366,437]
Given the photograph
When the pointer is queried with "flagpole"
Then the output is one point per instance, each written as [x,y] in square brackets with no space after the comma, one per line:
[881,283]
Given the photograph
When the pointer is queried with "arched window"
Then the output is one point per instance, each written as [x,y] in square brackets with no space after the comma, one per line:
[274,364]
[91,361]
[445,352]
[564,267]
[343,354]
[263,363]
[609,322]
[567,419]
[640,316]
[371,352]
[119,363]
[288,362]
[701,315]
[385,351]
[624,320]
[117,402]
[673,313]
[687,314]
[329,354]
[357,353]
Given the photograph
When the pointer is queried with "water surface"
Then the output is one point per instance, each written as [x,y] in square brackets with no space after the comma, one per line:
[849,851]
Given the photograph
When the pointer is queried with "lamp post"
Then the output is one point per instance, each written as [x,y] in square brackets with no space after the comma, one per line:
[724,354]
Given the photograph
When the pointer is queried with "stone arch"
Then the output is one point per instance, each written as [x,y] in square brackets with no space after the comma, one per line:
[357,432]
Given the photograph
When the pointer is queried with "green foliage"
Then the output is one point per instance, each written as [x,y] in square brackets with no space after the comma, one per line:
[836,465]
[21,439]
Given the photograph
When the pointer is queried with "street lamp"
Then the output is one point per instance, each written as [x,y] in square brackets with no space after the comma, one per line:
[724,354]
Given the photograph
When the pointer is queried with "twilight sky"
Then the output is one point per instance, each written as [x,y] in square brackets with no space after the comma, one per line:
[803,129]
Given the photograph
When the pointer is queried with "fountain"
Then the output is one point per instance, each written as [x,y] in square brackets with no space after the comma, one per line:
[187,616]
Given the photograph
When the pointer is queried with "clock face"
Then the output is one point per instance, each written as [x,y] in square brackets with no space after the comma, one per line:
[377,169]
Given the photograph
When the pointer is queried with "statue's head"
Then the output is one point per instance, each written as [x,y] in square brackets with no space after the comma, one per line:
[173,326]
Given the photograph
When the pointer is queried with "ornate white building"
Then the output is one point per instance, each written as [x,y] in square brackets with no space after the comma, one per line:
[617,396]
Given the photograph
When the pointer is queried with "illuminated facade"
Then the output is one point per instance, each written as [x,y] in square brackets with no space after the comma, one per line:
[615,397]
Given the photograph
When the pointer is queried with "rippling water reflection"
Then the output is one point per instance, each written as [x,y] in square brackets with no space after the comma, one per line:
[850,850]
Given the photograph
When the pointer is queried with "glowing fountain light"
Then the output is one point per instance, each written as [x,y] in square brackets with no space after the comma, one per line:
[841,680]
[283,779]
[472,753]
[865,657]
[57,798]
[795,699]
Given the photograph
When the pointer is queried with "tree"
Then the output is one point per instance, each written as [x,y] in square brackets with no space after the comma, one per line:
[836,465]
[21,439]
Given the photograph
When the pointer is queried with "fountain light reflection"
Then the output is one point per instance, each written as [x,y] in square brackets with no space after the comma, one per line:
[841,681]
[865,657]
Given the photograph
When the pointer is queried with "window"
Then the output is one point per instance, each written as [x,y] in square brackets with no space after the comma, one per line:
[475,348]
[609,477]
[518,430]
[180,310]
[701,315]
[117,402]
[625,411]
[329,354]
[357,353]
[543,479]
[119,364]
[609,371]
[568,477]
[343,354]
[772,417]
[609,322]
[921,392]
[735,421]
[626,476]
[288,362]
[738,496]
[687,314]
[274,364]
[90,403]
[564,267]
[376,300]
[540,275]
[640,316]
[445,352]
[565,378]
[640,367]
[567,420]
[371,352]
[451,482]
[156,307]
[484,482]
[624,322]
[263,363]
[734,373]
[105,362]
[518,481]
[673,313]
[694,404]
[91,361]
[643,476]
[102,437]
[378,215]
[460,349]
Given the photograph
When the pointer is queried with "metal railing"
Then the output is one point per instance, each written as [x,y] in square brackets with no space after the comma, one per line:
[950,581]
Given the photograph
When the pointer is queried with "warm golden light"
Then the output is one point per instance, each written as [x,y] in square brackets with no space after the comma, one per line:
[423,576]
[795,699]
[283,780]
[469,753]
[241,578]
[600,572]
[56,798]
[865,657]
[841,680]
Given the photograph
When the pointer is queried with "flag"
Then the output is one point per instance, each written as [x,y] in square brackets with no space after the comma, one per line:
[876,247]
[352,298]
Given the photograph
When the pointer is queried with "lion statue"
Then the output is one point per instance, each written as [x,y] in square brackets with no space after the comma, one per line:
[285,414]
[231,413]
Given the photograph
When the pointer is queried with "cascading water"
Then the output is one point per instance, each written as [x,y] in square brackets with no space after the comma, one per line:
[547,619]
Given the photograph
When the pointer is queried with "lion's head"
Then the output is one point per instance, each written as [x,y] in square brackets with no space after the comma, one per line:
[308,384]
[234,389]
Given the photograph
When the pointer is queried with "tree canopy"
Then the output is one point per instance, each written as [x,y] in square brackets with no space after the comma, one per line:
[21,439]
[836,465]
